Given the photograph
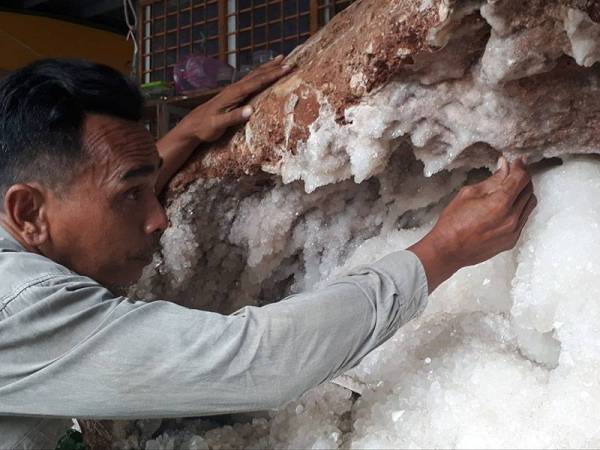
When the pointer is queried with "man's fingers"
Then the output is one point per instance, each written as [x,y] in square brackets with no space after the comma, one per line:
[517,179]
[272,63]
[505,176]
[492,183]
[263,78]
[512,220]
[269,73]
[254,84]
[235,117]
[223,110]
[511,187]
[522,199]
[529,207]
[503,167]
[267,67]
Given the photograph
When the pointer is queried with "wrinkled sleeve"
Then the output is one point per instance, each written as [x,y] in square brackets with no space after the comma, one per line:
[81,352]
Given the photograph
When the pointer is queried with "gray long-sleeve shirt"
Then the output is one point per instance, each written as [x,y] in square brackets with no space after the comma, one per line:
[70,348]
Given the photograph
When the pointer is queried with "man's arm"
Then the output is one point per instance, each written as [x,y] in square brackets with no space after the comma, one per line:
[209,121]
[80,352]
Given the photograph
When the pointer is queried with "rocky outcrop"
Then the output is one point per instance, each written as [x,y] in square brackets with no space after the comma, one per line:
[391,108]
[391,99]
[453,77]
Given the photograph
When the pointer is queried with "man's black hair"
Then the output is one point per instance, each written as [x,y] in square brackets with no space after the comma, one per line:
[42,110]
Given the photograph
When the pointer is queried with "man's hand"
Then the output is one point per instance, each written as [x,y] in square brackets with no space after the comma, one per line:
[209,121]
[481,221]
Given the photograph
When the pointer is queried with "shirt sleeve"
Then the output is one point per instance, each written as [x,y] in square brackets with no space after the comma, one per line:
[80,352]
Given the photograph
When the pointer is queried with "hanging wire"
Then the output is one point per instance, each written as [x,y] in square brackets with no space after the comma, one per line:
[131,20]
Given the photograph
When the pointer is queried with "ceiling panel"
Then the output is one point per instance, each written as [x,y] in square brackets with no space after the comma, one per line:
[107,14]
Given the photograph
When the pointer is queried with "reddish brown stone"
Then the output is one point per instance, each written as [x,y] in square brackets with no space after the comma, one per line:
[364,38]
[375,38]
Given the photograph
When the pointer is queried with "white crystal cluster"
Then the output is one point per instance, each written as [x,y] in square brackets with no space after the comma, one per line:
[467,375]
[228,248]
[507,353]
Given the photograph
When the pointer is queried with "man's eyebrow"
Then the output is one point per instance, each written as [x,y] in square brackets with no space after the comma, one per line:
[141,171]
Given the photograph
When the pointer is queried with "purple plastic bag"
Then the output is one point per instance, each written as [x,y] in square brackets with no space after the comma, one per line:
[197,72]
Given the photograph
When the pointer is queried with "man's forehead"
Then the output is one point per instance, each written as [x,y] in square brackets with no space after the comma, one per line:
[118,139]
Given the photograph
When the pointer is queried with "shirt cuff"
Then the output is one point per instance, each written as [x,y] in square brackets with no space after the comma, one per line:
[411,281]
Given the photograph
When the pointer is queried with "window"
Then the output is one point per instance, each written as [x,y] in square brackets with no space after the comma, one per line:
[240,32]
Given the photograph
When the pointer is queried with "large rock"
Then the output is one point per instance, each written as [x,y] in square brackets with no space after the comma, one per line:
[388,92]
[392,107]
[486,77]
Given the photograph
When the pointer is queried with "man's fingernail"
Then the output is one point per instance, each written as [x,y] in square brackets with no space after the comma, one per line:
[286,67]
[503,166]
[247,112]
[500,163]
[278,57]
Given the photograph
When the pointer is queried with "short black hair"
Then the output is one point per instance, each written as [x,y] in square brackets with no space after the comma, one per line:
[42,110]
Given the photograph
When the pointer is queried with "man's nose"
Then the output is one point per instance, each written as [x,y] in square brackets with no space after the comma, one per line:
[157,220]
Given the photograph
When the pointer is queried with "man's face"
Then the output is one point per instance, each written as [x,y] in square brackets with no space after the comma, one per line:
[108,222]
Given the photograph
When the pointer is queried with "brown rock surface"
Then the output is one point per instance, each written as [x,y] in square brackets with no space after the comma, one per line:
[365,38]
[387,91]
[374,42]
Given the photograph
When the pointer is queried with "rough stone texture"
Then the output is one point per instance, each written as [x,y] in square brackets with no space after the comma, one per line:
[391,108]
[360,50]
[430,41]
[452,84]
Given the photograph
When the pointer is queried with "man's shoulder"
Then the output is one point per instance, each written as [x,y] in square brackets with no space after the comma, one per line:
[18,266]
[26,274]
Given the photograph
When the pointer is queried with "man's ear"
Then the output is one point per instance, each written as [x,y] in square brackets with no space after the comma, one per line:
[25,210]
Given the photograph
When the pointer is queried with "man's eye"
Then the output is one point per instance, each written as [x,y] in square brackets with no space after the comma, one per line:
[133,194]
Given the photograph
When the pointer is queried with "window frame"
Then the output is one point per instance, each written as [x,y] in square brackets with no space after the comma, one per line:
[168,33]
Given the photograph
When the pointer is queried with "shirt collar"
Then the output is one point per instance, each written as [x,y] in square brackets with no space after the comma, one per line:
[7,242]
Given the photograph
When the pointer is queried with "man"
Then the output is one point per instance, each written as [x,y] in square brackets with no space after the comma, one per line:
[79,218]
